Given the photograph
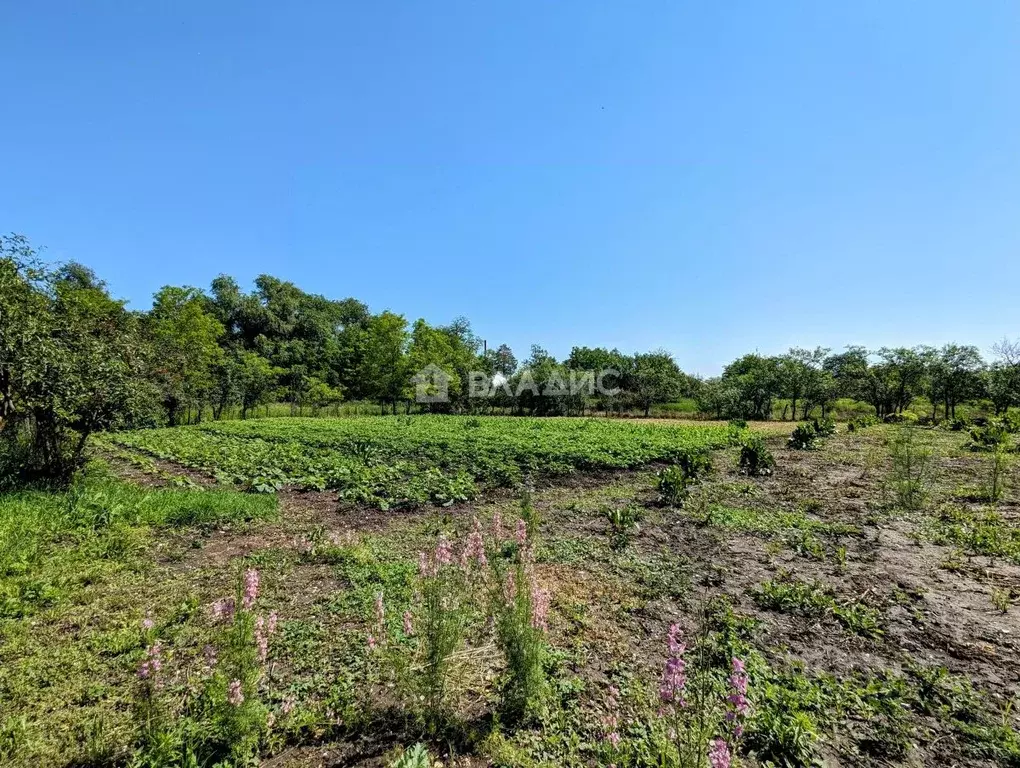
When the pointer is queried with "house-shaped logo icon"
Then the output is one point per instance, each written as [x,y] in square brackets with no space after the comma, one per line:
[431,385]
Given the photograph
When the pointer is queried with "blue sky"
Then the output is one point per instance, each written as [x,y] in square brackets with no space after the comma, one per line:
[711,178]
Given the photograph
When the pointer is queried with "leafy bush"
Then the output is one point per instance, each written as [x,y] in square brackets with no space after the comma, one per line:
[803,437]
[738,423]
[990,437]
[1011,421]
[858,423]
[824,427]
[623,523]
[906,417]
[755,456]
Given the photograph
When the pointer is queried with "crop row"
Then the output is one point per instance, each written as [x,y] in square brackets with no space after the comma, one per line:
[390,460]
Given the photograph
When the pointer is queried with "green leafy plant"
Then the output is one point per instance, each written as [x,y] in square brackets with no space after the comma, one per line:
[911,468]
[623,523]
[803,437]
[413,757]
[755,457]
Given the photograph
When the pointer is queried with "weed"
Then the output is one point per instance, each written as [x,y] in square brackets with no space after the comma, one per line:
[755,457]
[803,437]
[911,470]
[812,600]
[1001,599]
[623,523]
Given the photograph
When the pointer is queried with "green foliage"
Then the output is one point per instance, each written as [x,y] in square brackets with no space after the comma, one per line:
[980,532]
[911,470]
[623,523]
[520,638]
[755,456]
[72,363]
[91,529]
[858,423]
[998,472]
[413,757]
[424,459]
[675,481]
[814,601]
[824,427]
[803,437]
[993,436]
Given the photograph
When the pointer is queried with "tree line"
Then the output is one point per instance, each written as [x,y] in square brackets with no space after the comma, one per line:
[74,361]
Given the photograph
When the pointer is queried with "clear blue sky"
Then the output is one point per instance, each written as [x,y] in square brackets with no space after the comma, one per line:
[707,177]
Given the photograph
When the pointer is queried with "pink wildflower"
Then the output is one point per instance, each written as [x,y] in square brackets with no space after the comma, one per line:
[251,589]
[380,610]
[497,526]
[612,719]
[210,656]
[444,551]
[223,610]
[372,643]
[148,623]
[474,547]
[425,565]
[153,661]
[271,623]
[288,705]
[674,674]
[510,587]
[719,754]
[737,700]
[261,638]
[235,696]
[408,625]
[540,606]
[521,533]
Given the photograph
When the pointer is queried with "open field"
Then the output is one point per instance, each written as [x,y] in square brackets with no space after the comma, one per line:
[878,622]
[406,459]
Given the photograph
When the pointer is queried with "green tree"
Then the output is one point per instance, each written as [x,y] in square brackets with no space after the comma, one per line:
[383,369]
[71,364]
[185,339]
[655,378]
[955,375]
[756,382]
[256,380]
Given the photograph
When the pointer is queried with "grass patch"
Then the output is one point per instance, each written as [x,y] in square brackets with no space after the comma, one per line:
[812,600]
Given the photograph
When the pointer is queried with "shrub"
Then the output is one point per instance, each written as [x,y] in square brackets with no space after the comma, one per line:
[958,425]
[990,437]
[1011,421]
[674,481]
[997,473]
[911,468]
[520,612]
[858,423]
[803,437]
[900,418]
[623,523]
[738,423]
[824,427]
[755,456]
